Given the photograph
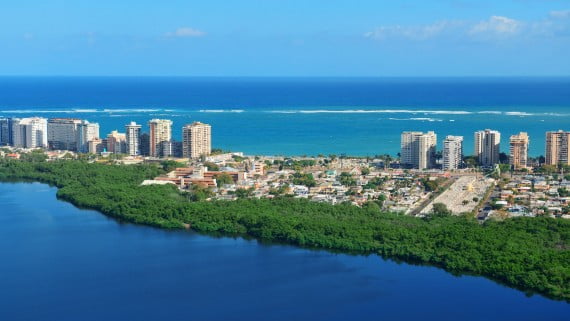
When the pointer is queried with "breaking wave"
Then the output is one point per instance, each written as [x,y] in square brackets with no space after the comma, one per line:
[428,119]
[221,110]
[170,112]
[371,111]
[79,111]
[518,113]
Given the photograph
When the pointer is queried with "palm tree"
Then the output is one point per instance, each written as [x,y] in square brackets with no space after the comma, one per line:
[387,161]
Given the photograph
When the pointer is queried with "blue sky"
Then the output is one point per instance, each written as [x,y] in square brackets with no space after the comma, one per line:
[285,37]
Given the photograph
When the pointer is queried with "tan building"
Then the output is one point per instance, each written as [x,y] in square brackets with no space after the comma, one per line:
[196,140]
[117,142]
[487,146]
[97,146]
[257,168]
[160,137]
[519,150]
[557,147]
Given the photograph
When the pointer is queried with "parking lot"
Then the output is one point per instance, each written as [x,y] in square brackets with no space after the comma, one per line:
[463,195]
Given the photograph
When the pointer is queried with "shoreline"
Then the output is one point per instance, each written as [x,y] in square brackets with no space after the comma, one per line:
[348,232]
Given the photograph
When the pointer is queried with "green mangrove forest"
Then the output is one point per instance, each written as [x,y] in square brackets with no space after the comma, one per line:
[530,254]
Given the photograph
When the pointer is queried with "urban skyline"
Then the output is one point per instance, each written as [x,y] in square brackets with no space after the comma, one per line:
[77,135]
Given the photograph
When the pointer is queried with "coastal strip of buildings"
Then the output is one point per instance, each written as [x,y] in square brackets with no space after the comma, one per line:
[82,136]
[422,177]
[418,150]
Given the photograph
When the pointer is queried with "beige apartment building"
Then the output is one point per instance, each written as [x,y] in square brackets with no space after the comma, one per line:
[487,146]
[519,150]
[160,137]
[196,140]
[97,146]
[557,146]
[116,142]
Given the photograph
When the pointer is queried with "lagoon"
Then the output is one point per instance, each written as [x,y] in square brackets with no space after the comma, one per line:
[64,263]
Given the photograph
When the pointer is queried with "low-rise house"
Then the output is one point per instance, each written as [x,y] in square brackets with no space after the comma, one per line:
[505,194]
[300,190]
[518,210]
[541,186]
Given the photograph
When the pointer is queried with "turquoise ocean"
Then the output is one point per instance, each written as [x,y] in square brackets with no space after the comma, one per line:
[303,116]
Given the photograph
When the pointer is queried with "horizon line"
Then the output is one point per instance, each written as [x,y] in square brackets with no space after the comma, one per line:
[286,76]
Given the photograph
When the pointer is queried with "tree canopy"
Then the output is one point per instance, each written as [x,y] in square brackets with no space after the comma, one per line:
[531,254]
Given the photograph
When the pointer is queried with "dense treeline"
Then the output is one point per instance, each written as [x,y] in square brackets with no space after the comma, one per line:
[527,253]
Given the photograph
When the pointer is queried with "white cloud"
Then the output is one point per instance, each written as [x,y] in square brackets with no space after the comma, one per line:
[419,32]
[185,32]
[560,14]
[497,25]
[555,25]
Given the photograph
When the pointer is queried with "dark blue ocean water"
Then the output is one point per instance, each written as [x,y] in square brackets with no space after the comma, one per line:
[60,263]
[294,116]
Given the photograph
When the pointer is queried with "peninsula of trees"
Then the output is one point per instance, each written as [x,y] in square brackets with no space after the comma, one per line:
[531,254]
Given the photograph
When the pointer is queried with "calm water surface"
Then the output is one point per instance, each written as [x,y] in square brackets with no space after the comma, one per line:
[62,263]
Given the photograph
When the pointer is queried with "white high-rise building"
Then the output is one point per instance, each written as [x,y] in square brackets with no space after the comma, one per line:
[62,133]
[30,132]
[86,132]
[196,140]
[452,152]
[487,146]
[418,149]
[160,137]
[36,133]
[133,133]
[407,147]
